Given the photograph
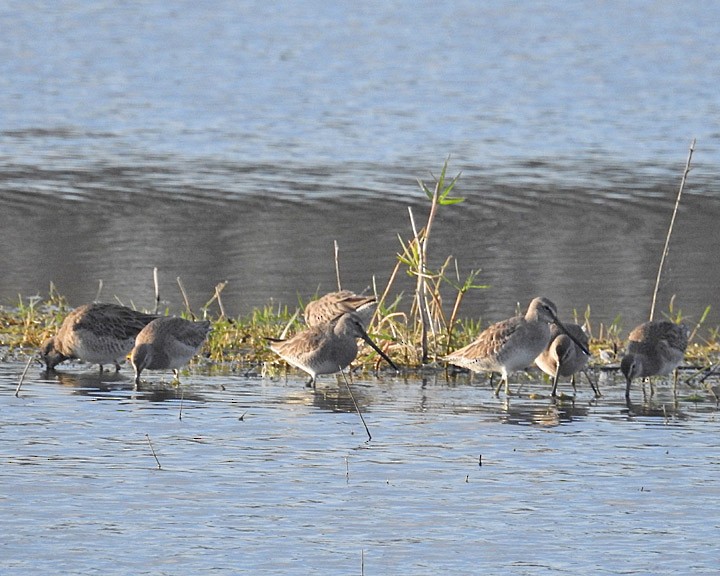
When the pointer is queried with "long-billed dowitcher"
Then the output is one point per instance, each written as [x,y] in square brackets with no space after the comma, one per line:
[562,357]
[95,333]
[653,349]
[167,343]
[326,348]
[331,305]
[512,344]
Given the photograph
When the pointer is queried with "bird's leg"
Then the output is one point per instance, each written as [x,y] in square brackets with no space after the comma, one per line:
[117,366]
[555,382]
[497,388]
[594,387]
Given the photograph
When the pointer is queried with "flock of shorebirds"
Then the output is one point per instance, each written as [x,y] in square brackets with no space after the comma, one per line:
[108,333]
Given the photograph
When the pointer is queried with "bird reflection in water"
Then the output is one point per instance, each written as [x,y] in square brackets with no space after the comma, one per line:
[118,386]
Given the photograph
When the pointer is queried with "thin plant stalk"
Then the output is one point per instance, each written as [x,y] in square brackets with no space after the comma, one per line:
[337,264]
[157,289]
[153,451]
[185,298]
[218,290]
[420,292]
[670,229]
[357,408]
[389,284]
[22,376]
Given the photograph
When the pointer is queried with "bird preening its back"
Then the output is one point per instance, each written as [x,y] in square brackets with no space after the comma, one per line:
[333,304]
[95,333]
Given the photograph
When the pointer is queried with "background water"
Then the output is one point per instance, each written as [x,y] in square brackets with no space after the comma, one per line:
[237,142]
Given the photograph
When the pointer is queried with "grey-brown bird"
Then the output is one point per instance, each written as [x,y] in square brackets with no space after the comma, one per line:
[167,343]
[512,344]
[95,333]
[326,348]
[562,357]
[332,305]
[653,349]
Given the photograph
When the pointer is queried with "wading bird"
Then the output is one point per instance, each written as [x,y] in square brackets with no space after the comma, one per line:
[167,343]
[95,333]
[654,349]
[563,357]
[512,344]
[326,348]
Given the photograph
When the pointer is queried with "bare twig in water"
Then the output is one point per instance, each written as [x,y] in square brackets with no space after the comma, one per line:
[157,289]
[182,397]
[337,264]
[100,287]
[218,289]
[185,298]
[22,376]
[153,451]
[670,229]
[357,408]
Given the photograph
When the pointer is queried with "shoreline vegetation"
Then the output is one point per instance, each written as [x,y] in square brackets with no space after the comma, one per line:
[414,330]
[242,342]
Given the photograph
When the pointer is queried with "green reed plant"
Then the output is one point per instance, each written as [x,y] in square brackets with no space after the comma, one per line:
[427,324]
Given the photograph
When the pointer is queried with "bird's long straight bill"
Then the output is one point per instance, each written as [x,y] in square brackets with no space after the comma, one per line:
[375,347]
[565,331]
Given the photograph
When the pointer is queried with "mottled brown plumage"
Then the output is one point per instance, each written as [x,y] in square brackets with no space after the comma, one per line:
[326,348]
[511,344]
[332,305]
[653,349]
[95,333]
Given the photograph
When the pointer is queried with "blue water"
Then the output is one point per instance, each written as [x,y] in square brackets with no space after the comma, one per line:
[376,82]
[264,475]
[237,142]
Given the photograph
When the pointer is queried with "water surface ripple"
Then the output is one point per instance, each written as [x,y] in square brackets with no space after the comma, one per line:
[267,476]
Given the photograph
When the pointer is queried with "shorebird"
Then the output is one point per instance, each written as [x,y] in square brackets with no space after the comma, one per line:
[331,305]
[326,348]
[95,333]
[512,344]
[563,357]
[653,349]
[167,343]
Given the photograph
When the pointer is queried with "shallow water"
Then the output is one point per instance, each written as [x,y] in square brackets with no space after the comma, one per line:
[265,475]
